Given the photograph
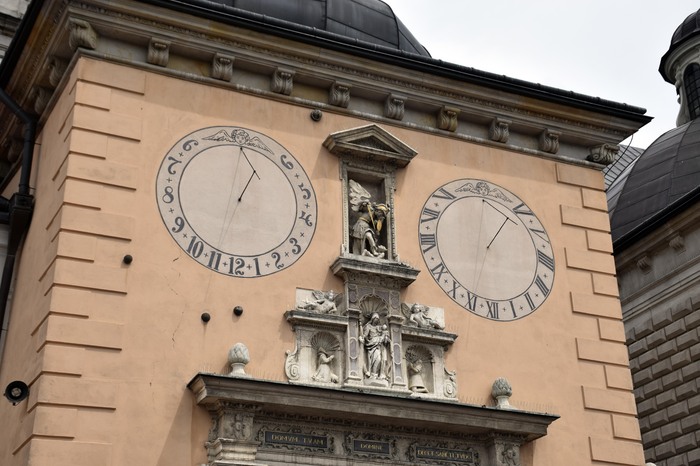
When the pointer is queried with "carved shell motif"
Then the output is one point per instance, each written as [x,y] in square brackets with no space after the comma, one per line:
[373,304]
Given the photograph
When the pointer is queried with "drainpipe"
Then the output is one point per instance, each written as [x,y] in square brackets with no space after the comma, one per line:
[17,211]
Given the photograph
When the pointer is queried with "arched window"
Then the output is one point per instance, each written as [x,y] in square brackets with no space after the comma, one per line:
[691,79]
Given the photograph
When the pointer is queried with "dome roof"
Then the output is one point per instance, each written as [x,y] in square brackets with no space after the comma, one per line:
[371,21]
[668,170]
[689,28]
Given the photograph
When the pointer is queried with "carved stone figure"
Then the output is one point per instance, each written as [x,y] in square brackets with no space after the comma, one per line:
[323,302]
[324,372]
[417,315]
[367,228]
[375,337]
[415,377]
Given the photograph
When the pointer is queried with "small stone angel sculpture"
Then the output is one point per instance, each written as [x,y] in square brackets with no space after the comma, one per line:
[417,315]
[323,302]
[365,233]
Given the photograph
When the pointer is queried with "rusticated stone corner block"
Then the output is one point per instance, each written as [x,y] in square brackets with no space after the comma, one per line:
[158,52]
[499,130]
[81,34]
[41,99]
[57,69]
[394,106]
[282,81]
[448,118]
[222,67]
[677,243]
[339,94]
[549,141]
[604,153]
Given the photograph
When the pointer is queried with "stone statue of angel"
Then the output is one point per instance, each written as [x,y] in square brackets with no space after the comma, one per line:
[323,302]
[417,315]
[366,231]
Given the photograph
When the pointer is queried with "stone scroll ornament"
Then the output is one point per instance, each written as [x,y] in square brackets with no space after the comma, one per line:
[366,231]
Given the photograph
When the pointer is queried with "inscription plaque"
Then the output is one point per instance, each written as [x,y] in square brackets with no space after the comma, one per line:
[297,440]
[445,454]
[371,446]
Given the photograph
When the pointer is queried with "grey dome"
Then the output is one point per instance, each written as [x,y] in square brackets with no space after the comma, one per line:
[667,171]
[689,28]
[371,21]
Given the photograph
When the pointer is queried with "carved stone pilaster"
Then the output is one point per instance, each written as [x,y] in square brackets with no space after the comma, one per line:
[549,141]
[81,34]
[398,381]
[57,68]
[447,118]
[231,440]
[499,130]
[504,451]
[604,153]
[394,106]
[339,94]
[158,52]
[41,99]
[282,81]
[222,67]
[354,373]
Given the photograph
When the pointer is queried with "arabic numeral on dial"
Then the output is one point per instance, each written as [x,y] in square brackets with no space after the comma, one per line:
[195,248]
[240,263]
[171,167]
[296,249]
[187,145]
[214,260]
[306,218]
[179,225]
[307,193]
[277,257]
[285,163]
[168,197]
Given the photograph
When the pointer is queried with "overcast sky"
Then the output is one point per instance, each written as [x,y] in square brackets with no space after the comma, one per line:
[604,48]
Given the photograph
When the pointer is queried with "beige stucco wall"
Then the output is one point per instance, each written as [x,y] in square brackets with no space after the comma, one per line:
[109,348]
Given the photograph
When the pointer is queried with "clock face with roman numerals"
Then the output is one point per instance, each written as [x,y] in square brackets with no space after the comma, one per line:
[236,201]
[486,249]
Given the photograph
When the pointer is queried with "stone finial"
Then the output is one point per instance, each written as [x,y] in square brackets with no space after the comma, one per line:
[222,67]
[499,130]
[282,81]
[447,118]
[339,94]
[549,141]
[158,52]
[501,391]
[394,106]
[604,153]
[238,357]
[81,34]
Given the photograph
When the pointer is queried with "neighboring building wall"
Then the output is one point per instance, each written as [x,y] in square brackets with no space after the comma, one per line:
[660,290]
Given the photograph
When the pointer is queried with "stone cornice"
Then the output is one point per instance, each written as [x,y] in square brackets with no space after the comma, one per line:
[109,30]
[211,390]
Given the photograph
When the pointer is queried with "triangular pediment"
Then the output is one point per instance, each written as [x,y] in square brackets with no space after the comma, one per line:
[370,142]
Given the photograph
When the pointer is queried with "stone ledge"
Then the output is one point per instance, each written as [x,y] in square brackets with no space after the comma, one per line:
[395,411]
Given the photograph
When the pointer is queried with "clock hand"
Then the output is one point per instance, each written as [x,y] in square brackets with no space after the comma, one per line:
[255,173]
[480,268]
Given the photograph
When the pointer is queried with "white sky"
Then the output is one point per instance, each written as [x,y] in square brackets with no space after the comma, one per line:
[604,48]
